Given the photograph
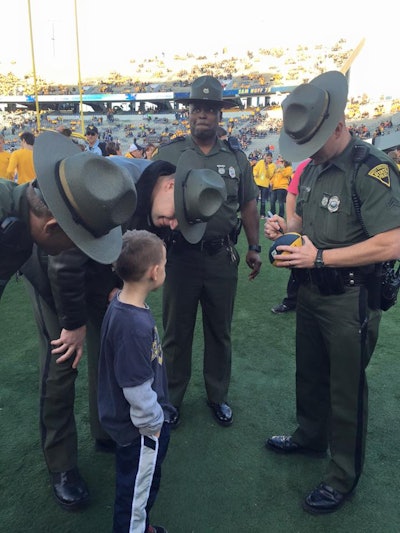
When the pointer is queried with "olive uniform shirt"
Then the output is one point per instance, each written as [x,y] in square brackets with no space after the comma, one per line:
[325,198]
[232,166]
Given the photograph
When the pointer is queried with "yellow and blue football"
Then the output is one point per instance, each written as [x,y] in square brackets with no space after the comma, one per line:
[287,239]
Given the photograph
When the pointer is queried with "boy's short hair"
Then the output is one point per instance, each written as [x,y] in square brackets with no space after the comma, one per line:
[140,250]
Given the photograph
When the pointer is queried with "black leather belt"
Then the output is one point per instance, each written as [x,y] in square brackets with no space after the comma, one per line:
[209,246]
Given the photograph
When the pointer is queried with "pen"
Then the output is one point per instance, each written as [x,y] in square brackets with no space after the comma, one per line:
[270,215]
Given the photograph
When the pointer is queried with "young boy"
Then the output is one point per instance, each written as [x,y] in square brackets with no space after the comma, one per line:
[133,393]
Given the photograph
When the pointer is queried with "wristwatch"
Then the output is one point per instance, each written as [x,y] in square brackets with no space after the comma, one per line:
[255,248]
[319,262]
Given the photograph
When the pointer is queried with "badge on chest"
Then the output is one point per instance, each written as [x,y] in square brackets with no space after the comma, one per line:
[330,202]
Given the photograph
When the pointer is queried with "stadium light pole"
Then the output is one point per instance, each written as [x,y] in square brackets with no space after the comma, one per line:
[345,69]
[79,69]
[34,68]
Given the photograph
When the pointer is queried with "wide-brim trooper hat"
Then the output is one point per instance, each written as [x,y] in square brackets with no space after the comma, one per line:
[89,196]
[310,115]
[207,89]
[198,194]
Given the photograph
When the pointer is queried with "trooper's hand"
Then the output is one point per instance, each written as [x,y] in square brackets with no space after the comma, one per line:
[274,227]
[253,260]
[297,256]
[69,343]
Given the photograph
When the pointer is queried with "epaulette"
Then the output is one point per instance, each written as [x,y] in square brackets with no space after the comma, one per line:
[178,139]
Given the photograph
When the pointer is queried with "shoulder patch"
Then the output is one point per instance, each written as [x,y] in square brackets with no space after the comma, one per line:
[381,173]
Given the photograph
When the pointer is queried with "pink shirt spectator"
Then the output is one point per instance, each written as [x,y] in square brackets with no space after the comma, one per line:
[294,183]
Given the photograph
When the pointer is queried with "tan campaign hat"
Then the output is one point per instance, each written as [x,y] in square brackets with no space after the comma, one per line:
[207,89]
[198,194]
[89,196]
[310,115]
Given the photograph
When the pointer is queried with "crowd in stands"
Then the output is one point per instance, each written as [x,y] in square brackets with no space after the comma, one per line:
[255,130]
[254,69]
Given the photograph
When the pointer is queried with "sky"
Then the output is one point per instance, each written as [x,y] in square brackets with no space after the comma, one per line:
[111,37]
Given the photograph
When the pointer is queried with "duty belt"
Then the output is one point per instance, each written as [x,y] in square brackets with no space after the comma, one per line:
[331,280]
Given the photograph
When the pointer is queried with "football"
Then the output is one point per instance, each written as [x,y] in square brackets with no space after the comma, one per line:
[288,239]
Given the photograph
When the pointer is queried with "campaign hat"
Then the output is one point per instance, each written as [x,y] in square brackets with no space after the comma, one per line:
[310,115]
[198,194]
[89,196]
[207,89]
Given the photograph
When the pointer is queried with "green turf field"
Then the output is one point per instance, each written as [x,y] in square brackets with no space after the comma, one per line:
[215,479]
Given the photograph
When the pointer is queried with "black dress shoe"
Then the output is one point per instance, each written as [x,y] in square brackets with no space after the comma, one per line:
[104,445]
[175,419]
[222,412]
[70,490]
[285,444]
[324,499]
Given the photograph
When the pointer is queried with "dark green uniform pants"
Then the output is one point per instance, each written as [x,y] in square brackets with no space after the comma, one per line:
[194,276]
[335,338]
[57,388]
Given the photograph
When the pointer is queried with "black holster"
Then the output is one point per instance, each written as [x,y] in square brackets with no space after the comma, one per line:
[389,284]
[235,232]
[374,287]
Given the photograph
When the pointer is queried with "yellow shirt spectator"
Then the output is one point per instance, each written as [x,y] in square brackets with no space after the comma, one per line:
[20,166]
[263,170]
[279,184]
[282,176]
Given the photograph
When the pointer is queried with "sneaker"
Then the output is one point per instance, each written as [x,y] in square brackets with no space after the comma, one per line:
[282,308]
[175,419]
[156,529]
